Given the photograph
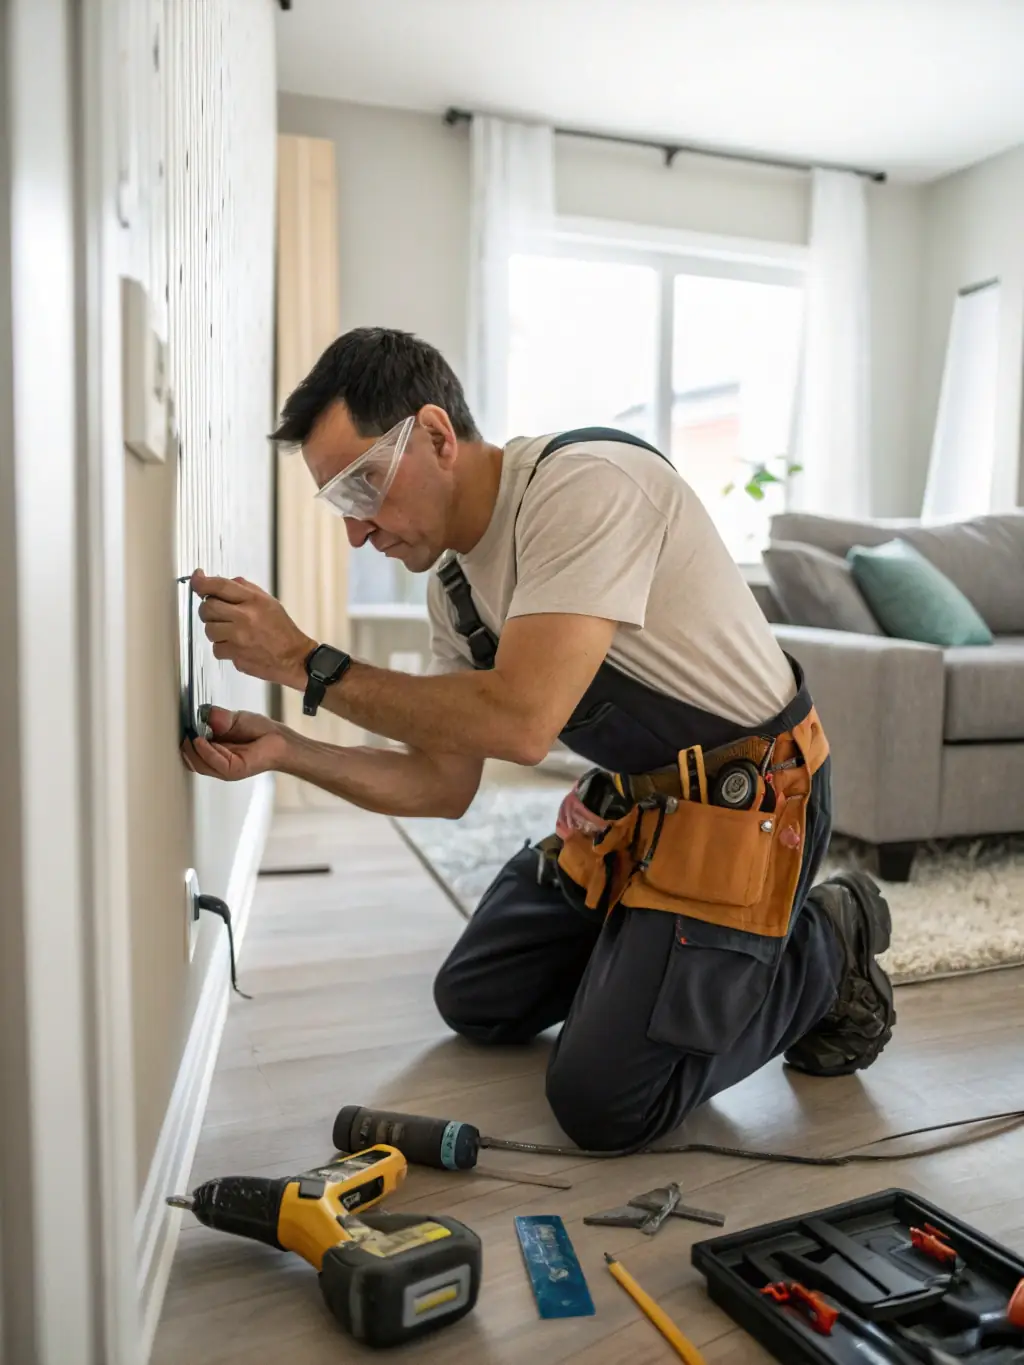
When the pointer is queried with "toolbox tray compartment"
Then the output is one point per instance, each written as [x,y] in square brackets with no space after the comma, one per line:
[885,1288]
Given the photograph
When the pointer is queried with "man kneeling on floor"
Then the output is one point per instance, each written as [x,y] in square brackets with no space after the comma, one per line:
[581,593]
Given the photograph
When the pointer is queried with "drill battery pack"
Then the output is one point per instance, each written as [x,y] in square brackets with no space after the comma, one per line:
[400,1276]
[887,1278]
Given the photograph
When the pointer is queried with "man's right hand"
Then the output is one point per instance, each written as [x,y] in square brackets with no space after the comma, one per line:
[243,745]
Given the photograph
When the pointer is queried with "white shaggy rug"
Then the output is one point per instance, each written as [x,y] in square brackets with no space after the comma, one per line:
[962,910]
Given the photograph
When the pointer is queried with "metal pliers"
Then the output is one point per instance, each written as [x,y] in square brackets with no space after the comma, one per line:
[648,1211]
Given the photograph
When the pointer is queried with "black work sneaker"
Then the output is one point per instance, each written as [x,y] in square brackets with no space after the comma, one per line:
[859,1024]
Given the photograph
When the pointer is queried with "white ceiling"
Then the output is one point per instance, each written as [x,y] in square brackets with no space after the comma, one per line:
[914,87]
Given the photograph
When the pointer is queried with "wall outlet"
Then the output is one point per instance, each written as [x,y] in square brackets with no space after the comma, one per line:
[192,912]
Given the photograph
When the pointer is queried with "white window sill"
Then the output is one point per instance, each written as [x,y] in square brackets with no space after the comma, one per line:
[754,574]
[388,611]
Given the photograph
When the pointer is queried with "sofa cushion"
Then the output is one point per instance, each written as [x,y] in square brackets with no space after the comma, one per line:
[912,599]
[985,691]
[815,588]
[837,535]
[984,556]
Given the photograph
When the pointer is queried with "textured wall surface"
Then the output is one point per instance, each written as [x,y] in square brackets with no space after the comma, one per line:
[208,225]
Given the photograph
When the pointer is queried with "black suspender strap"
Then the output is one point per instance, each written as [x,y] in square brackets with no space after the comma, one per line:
[483,643]
[580,434]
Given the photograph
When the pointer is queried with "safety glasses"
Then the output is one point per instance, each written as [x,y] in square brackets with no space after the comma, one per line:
[359,490]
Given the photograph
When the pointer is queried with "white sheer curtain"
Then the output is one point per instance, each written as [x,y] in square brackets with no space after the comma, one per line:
[963,457]
[832,428]
[511,206]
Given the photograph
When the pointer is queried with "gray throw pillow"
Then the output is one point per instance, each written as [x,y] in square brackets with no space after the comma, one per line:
[984,557]
[815,588]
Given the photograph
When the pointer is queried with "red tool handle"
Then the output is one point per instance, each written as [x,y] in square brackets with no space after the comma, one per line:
[1015,1308]
[934,1243]
[821,1315]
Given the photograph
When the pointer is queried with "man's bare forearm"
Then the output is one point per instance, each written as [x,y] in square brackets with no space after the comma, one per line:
[471,713]
[383,780]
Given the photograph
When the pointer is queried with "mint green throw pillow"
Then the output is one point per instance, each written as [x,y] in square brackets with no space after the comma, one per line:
[912,599]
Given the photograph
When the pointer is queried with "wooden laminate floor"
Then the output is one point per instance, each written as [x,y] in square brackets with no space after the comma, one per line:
[340,968]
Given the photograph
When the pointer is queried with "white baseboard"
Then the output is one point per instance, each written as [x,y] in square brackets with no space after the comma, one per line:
[156,1225]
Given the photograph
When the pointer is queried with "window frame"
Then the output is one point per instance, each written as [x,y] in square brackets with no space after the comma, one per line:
[670,252]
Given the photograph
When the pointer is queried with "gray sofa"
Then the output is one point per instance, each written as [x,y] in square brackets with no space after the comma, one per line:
[927,742]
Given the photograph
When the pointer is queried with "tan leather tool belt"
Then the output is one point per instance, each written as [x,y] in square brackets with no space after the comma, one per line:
[676,850]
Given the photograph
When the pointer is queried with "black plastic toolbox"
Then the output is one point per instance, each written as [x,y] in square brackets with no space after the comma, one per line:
[890,1279]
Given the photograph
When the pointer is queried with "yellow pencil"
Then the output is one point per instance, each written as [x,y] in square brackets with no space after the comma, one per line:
[684,1349]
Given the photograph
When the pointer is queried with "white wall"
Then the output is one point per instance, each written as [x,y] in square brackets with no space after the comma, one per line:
[974,230]
[404,219]
[208,505]
[52,1294]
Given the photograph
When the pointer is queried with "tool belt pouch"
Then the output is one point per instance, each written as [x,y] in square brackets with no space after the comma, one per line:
[592,863]
[735,868]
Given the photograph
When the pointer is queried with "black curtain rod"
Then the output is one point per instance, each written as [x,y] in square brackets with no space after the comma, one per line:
[977,288]
[670,150]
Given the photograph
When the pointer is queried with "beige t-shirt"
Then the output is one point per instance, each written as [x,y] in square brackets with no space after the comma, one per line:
[611,530]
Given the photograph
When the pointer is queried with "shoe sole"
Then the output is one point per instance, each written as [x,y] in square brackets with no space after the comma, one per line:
[877,922]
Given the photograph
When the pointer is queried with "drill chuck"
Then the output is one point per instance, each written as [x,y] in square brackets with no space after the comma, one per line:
[247,1206]
[445,1143]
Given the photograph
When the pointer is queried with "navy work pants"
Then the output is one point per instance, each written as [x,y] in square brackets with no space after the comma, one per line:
[659,1013]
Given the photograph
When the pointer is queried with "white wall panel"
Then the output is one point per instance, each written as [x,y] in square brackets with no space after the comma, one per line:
[220,215]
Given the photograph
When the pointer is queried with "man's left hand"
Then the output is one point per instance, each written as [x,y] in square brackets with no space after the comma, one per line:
[252,630]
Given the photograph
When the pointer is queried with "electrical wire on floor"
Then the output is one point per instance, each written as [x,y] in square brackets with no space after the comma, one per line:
[1011,1119]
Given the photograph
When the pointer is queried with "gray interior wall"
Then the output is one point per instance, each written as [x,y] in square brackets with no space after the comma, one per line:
[403,217]
[403,183]
[632,185]
[896,217]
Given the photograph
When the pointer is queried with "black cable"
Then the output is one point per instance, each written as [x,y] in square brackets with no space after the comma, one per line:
[1011,1119]
[219,907]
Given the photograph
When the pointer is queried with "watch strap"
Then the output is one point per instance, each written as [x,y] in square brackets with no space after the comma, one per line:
[316,687]
[313,696]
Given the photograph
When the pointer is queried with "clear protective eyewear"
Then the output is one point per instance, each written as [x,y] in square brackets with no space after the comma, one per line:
[360,489]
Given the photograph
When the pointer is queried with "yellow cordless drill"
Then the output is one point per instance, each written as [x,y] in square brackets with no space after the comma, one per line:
[387,1278]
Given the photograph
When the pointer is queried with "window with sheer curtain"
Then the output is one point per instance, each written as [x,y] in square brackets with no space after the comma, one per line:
[697,354]
[692,344]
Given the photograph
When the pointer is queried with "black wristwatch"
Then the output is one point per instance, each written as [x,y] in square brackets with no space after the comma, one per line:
[324,666]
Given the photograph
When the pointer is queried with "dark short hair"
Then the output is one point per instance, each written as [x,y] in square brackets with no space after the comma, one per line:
[382,376]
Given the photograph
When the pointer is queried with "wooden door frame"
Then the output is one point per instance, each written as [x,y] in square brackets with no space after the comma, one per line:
[311,548]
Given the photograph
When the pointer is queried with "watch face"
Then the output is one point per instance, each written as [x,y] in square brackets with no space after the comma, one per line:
[326,663]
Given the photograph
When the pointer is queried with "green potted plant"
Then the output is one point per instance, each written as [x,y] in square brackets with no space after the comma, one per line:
[762,476]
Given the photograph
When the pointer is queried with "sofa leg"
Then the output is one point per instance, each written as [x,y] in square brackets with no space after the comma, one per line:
[895,861]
